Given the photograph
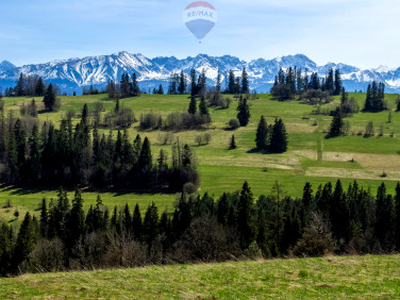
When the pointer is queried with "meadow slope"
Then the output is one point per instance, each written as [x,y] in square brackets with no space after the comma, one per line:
[327,277]
[310,157]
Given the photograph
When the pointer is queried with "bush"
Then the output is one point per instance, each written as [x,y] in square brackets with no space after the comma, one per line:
[150,121]
[350,106]
[166,138]
[234,124]
[48,256]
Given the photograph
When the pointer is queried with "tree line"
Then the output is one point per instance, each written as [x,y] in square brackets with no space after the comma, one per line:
[181,83]
[294,82]
[126,87]
[82,156]
[30,86]
[203,229]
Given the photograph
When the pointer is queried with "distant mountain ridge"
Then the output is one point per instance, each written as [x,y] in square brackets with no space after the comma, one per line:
[76,73]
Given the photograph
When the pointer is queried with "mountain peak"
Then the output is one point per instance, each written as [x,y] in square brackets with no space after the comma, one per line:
[5,65]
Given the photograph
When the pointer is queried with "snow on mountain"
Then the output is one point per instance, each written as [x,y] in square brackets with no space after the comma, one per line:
[75,73]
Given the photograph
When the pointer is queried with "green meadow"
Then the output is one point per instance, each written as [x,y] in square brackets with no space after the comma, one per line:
[328,277]
[310,157]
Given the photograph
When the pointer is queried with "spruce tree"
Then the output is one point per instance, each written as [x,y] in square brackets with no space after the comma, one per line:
[243,114]
[232,143]
[150,224]
[182,83]
[338,83]
[279,139]
[49,99]
[231,82]
[193,105]
[337,124]
[145,158]
[262,135]
[246,224]
[137,223]
[193,83]
[245,82]
[203,107]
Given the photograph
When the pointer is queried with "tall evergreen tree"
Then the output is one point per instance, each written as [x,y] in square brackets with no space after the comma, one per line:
[145,158]
[246,222]
[232,143]
[193,83]
[245,83]
[193,105]
[203,109]
[279,139]
[182,83]
[338,83]
[337,124]
[243,112]
[49,99]
[262,135]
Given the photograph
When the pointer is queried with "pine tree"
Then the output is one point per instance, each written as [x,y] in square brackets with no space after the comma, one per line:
[44,219]
[203,107]
[232,143]
[231,82]
[40,88]
[137,223]
[49,99]
[150,224]
[193,105]
[182,83]
[218,83]
[337,124]
[33,163]
[145,158]
[279,139]
[75,220]
[243,112]
[246,223]
[262,135]
[338,83]
[28,236]
[193,83]
[245,83]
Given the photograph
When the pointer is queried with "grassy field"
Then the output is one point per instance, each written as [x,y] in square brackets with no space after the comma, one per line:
[328,277]
[310,157]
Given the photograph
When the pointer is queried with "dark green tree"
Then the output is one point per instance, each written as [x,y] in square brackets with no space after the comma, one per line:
[193,105]
[243,114]
[145,158]
[245,82]
[49,99]
[279,139]
[246,223]
[262,135]
[232,143]
[337,124]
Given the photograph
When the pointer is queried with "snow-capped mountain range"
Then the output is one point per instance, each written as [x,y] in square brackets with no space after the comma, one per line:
[76,73]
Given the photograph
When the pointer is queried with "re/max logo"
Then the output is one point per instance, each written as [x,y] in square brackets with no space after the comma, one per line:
[200,13]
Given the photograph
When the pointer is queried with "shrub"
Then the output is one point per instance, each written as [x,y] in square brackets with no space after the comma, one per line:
[234,124]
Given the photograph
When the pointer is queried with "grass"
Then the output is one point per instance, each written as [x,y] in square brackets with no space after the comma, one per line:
[328,277]
[222,170]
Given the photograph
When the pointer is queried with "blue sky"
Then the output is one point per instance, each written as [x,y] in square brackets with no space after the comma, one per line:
[364,33]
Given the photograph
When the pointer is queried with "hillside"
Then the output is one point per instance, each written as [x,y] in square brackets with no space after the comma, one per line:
[310,156]
[328,277]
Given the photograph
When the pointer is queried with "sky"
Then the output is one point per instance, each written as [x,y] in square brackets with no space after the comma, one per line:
[363,33]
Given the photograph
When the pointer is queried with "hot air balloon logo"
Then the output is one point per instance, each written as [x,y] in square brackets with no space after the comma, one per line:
[200,17]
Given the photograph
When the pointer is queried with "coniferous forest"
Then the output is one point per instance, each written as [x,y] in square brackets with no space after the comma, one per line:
[329,219]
